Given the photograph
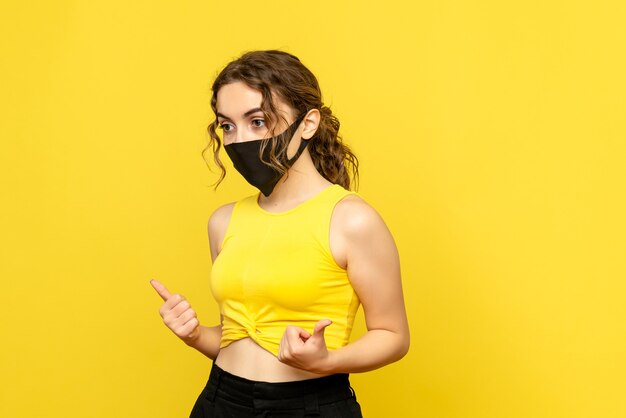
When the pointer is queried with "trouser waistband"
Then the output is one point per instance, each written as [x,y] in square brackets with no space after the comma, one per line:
[307,394]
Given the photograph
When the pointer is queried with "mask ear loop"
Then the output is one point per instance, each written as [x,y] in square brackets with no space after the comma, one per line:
[288,133]
[303,142]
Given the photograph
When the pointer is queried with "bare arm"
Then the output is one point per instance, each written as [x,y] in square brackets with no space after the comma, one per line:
[364,244]
[373,267]
[208,341]
[176,311]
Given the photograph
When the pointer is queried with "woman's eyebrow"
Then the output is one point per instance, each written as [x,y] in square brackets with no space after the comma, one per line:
[245,115]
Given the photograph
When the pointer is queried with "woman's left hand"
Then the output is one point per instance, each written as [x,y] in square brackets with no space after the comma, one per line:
[305,351]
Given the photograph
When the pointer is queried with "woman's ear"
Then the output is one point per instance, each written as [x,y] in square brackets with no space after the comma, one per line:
[311,123]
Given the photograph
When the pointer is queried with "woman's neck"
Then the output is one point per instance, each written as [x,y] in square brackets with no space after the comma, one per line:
[301,183]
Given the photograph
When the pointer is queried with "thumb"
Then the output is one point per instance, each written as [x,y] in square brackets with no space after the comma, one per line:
[318,331]
[161,290]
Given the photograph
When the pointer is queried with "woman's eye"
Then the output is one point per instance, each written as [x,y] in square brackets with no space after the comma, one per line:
[226,127]
[258,123]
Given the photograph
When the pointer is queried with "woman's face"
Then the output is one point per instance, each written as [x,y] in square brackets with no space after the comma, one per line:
[239,114]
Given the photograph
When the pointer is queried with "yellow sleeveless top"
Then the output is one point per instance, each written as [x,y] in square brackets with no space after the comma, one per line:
[276,269]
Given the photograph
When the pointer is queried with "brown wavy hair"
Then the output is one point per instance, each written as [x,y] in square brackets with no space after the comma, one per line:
[281,74]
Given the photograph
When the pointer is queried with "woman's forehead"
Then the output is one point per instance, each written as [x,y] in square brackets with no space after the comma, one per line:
[236,99]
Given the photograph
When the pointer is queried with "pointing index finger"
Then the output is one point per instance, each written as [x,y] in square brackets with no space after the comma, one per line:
[161,290]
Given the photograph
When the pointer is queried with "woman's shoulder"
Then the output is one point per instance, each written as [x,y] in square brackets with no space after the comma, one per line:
[217,226]
[221,214]
[356,217]
[219,219]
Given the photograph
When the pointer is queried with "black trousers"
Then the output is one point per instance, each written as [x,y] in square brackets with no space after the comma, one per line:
[227,395]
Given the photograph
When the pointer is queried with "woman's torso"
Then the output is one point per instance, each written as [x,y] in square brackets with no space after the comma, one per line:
[244,356]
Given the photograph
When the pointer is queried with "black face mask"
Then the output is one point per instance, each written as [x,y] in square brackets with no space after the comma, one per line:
[246,160]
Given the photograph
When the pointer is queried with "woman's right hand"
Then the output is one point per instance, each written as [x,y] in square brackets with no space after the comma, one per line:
[177,314]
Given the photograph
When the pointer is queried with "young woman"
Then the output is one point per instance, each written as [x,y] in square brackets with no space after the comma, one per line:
[291,264]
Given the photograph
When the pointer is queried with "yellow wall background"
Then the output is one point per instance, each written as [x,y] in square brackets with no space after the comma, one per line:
[492,140]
